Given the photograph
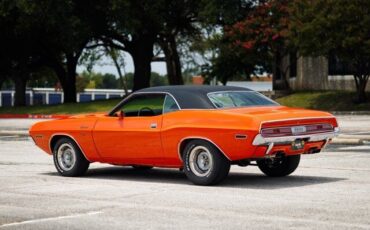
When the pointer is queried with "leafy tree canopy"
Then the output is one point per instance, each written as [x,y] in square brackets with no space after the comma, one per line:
[340,27]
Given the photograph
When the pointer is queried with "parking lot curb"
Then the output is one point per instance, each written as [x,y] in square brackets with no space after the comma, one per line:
[354,113]
[14,133]
[347,136]
[347,141]
[33,116]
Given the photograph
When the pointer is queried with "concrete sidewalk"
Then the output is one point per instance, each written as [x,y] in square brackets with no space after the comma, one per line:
[354,129]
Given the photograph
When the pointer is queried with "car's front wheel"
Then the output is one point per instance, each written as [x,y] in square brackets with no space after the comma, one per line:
[279,166]
[204,164]
[68,158]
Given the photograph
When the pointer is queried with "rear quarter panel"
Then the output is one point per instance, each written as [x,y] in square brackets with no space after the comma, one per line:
[218,127]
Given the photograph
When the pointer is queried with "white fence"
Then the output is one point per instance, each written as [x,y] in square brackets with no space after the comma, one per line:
[48,96]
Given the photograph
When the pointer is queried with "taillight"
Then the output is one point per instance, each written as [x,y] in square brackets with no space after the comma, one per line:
[276,132]
[319,128]
[296,130]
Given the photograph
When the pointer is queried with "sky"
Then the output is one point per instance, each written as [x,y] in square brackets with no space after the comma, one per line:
[107,66]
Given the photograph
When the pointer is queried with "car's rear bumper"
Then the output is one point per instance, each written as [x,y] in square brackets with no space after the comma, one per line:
[314,143]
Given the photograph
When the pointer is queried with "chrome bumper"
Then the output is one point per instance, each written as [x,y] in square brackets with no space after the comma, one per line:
[260,140]
[271,141]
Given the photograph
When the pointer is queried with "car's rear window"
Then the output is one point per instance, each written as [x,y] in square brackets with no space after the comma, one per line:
[234,99]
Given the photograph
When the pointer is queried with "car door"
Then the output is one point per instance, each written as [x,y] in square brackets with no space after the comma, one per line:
[134,138]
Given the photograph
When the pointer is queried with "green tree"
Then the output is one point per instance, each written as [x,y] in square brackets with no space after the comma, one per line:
[158,80]
[81,83]
[213,46]
[65,30]
[133,26]
[19,57]
[262,39]
[340,27]
[109,81]
[181,24]
[45,77]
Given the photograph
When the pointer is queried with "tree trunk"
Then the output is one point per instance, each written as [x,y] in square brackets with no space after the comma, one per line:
[142,54]
[115,61]
[1,82]
[20,83]
[69,88]
[69,83]
[275,73]
[361,82]
[279,78]
[66,76]
[172,61]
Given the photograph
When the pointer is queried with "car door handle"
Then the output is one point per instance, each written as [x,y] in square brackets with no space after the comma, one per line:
[153,125]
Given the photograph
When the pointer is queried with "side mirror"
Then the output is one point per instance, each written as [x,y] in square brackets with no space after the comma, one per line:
[120,115]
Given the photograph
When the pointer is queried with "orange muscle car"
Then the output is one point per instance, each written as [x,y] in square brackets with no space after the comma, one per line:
[200,129]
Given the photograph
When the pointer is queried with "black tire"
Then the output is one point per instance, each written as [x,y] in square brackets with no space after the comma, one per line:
[79,164]
[279,167]
[142,167]
[216,171]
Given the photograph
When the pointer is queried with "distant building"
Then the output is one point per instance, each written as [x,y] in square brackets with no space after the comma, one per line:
[319,73]
[197,80]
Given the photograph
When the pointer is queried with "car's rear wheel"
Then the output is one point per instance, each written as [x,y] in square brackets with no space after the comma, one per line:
[279,166]
[204,164]
[68,158]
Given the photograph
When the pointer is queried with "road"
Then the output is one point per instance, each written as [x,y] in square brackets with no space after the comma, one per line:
[328,190]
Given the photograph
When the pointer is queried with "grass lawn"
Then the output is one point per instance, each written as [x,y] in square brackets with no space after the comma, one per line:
[327,101]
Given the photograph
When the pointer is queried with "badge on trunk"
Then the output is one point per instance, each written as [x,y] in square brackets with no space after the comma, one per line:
[298,129]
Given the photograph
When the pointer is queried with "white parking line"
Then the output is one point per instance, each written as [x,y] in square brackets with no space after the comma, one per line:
[357,147]
[1,137]
[356,133]
[50,219]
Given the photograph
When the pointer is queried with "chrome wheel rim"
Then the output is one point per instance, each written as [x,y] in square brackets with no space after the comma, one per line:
[66,156]
[200,161]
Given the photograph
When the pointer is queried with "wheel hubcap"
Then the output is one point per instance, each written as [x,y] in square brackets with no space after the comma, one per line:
[66,156]
[200,161]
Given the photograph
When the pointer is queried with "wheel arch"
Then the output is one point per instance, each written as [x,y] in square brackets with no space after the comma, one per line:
[182,144]
[55,137]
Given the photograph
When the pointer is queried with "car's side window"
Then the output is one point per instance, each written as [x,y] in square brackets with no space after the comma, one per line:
[170,104]
[144,105]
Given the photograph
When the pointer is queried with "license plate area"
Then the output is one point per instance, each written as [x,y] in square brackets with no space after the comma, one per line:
[298,129]
[297,144]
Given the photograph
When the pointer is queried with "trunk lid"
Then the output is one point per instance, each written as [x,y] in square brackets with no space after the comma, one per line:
[280,116]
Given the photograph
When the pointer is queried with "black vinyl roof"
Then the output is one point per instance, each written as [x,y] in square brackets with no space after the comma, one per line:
[192,97]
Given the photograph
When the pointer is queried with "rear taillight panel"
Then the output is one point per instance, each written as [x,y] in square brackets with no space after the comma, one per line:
[296,130]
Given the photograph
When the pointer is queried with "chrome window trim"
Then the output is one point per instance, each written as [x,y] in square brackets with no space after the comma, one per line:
[70,136]
[164,102]
[138,93]
[241,91]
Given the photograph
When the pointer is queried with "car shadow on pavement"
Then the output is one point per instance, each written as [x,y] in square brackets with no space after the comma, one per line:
[260,181]
[234,179]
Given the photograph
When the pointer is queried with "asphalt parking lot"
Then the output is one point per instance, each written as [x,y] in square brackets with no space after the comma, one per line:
[329,190]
